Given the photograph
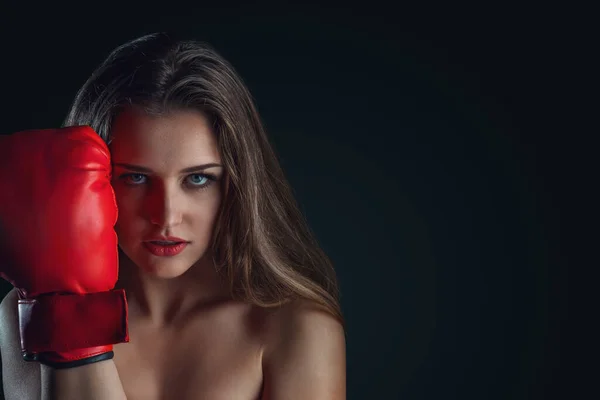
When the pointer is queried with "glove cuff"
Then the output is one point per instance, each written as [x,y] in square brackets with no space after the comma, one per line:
[62,323]
[59,361]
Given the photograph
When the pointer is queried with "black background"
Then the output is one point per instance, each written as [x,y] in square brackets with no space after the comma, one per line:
[427,148]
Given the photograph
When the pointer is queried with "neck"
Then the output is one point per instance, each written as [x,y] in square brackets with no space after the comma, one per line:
[165,302]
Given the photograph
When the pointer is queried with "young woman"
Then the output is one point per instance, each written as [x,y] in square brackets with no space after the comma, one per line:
[229,295]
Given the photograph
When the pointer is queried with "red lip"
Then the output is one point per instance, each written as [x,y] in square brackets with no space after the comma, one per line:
[165,250]
[165,239]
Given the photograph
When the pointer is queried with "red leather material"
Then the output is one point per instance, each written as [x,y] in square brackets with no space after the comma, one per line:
[73,321]
[57,217]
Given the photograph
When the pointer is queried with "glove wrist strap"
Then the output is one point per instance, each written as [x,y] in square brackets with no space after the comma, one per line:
[68,322]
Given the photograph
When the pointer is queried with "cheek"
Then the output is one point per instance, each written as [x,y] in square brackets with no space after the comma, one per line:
[128,211]
[202,214]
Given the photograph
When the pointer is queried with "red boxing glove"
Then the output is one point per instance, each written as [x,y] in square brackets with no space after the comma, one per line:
[57,217]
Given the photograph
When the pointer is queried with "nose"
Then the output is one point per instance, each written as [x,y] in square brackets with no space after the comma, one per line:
[164,207]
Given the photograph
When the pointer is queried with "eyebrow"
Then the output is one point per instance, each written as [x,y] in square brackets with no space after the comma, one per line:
[194,168]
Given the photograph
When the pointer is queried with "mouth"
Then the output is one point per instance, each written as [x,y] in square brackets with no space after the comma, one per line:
[164,248]
[165,242]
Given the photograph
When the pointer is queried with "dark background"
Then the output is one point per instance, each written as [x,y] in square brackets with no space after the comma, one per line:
[425,148]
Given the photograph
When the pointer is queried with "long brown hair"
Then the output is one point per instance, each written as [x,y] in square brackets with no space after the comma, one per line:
[261,240]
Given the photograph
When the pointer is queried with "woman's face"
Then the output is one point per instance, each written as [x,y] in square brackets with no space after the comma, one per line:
[164,189]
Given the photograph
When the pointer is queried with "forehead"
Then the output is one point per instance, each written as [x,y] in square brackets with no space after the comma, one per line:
[175,139]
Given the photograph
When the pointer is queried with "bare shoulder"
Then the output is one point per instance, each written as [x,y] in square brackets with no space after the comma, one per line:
[300,317]
[304,353]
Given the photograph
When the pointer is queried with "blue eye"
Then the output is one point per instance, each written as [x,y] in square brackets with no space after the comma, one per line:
[134,179]
[200,181]
[197,179]
[194,181]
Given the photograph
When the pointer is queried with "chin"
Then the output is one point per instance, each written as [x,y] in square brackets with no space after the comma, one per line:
[162,269]
[165,267]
